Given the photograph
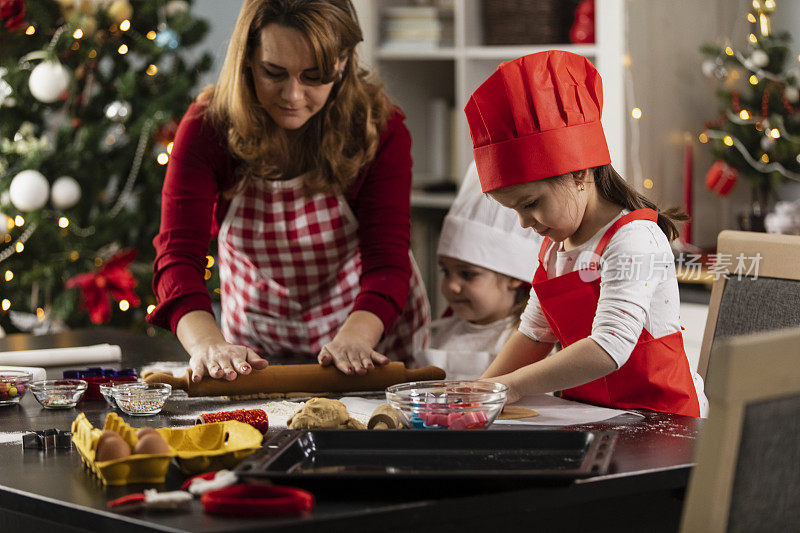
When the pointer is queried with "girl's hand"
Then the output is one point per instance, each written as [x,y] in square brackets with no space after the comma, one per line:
[223,360]
[350,356]
[514,393]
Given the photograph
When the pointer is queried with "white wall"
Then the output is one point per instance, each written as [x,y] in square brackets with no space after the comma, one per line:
[221,15]
[789,20]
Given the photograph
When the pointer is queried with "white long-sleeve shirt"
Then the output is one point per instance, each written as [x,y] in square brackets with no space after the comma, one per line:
[638,289]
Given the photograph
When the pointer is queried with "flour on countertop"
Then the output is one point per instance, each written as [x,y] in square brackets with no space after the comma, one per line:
[12,437]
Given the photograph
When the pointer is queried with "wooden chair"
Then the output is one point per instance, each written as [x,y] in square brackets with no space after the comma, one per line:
[755,288]
[747,476]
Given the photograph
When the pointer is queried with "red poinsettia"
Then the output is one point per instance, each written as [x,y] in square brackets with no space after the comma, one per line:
[113,279]
[12,13]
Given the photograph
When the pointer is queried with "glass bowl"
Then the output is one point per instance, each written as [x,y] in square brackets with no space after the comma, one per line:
[141,400]
[448,404]
[58,393]
[105,389]
[13,385]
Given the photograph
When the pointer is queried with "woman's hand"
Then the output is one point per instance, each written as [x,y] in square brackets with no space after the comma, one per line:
[210,353]
[350,357]
[223,360]
[351,350]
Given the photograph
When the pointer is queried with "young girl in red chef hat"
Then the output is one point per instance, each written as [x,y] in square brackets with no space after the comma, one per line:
[605,286]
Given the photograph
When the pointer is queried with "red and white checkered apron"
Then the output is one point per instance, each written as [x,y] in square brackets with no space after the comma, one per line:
[290,267]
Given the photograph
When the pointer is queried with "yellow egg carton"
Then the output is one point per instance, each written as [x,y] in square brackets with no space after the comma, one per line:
[204,447]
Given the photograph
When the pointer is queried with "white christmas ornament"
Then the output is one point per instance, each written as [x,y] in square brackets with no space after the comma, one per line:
[785,219]
[767,143]
[29,190]
[5,89]
[48,80]
[4,225]
[709,67]
[759,58]
[791,93]
[176,7]
[65,192]
[118,111]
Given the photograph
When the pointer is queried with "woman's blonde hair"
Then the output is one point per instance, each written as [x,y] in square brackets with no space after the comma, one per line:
[339,140]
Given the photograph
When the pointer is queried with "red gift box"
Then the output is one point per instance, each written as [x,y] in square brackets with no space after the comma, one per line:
[721,178]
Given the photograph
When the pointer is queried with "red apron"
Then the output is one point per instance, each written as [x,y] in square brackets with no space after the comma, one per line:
[290,270]
[657,375]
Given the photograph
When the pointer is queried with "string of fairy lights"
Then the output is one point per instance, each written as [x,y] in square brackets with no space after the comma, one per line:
[15,246]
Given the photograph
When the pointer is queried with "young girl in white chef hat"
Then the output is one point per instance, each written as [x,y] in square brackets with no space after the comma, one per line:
[487,262]
[605,286]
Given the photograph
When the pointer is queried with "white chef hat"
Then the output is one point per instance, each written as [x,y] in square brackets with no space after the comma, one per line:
[479,230]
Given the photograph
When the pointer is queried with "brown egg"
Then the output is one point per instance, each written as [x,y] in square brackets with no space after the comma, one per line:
[144,431]
[151,443]
[111,446]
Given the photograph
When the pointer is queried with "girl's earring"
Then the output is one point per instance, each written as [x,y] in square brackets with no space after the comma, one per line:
[581,187]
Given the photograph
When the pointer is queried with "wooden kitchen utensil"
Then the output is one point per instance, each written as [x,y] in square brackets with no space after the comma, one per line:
[299,378]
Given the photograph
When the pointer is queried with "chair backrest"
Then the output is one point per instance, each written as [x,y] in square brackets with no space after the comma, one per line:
[747,476]
[756,287]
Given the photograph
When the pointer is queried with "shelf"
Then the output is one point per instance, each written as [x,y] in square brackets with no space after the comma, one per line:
[398,53]
[433,200]
[513,52]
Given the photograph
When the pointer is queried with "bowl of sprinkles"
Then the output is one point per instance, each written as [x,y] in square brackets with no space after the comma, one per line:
[13,385]
[58,393]
[137,400]
[106,388]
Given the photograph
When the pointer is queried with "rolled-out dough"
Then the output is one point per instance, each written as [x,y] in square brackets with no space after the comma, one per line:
[511,412]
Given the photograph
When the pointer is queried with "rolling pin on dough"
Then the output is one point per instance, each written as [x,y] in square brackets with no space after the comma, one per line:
[385,417]
[294,378]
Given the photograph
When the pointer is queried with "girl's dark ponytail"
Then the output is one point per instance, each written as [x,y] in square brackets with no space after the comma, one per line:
[611,186]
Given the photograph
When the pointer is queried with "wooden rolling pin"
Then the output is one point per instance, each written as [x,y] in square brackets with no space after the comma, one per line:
[385,417]
[299,378]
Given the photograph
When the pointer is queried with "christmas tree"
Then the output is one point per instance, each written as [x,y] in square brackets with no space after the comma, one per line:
[90,95]
[757,136]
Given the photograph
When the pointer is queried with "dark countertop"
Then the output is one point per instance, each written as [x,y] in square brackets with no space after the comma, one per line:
[643,489]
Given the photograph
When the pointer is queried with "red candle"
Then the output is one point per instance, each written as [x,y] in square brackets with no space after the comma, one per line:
[688,177]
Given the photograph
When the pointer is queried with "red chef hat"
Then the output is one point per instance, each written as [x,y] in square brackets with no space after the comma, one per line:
[536,117]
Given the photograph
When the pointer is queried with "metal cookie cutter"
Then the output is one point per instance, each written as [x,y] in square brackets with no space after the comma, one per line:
[47,439]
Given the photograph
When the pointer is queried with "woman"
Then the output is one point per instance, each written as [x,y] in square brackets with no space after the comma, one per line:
[301,166]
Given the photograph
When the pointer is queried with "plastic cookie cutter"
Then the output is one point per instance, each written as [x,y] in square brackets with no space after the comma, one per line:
[417,422]
[220,494]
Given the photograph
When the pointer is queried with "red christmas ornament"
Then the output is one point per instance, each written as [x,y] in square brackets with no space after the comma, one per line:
[582,31]
[112,280]
[721,178]
[165,134]
[12,14]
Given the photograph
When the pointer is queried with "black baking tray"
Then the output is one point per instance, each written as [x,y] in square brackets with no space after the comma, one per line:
[293,456]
